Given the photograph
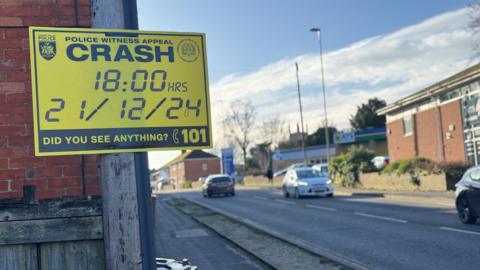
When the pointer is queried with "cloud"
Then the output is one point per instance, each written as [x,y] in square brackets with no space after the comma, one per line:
[388,67]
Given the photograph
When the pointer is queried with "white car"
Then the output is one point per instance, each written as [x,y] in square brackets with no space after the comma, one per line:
[380,162]
[301,182]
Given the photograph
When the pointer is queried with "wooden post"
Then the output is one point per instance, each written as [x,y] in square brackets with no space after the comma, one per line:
[120,212]
[128,234]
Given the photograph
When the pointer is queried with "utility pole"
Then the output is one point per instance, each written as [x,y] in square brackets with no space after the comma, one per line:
[327,139]
[301,116]
[127,209]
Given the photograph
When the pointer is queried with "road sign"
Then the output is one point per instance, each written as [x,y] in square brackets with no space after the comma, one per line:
[228,167]
[343,137]
[107,91]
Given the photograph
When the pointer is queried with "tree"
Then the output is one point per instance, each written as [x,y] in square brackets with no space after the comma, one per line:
[272,132]
[260,158]
[239,124]
[318,137]
[366,116]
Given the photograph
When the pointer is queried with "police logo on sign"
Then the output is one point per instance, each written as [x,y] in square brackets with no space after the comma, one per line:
[188,50]
[48,46]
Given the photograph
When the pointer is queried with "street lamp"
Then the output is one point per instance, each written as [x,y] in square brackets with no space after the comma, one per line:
[319,36]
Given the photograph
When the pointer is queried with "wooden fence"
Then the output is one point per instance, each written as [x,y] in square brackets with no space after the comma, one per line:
[53,234]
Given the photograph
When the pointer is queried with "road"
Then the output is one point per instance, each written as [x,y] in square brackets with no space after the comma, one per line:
[378,233]
[177,236]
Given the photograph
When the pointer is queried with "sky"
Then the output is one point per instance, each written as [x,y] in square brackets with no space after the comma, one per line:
[387,49]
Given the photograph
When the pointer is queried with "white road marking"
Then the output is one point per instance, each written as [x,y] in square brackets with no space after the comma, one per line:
[321,207]
[260,197]
[285,202]
[380,217]
[458,230]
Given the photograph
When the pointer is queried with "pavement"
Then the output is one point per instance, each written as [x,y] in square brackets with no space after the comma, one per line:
[446,198]
[376,231]
[177,236]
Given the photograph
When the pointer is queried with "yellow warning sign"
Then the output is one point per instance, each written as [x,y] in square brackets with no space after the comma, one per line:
[105,91]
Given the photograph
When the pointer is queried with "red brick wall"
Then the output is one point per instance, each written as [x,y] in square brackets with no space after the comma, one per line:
[454,146]
[399,146]
[426,133]
[53,176]
[193,168]
[177,172]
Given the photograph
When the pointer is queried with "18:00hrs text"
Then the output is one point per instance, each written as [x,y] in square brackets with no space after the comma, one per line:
[140,80]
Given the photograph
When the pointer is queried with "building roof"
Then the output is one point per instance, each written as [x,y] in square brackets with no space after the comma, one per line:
[297,153]
[193,154]
[435,89]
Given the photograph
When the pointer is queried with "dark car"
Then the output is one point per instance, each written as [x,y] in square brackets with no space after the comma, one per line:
[468,196]
[218,184]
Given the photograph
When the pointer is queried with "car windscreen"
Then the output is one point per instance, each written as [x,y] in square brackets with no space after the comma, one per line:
[221,180]
[302,174]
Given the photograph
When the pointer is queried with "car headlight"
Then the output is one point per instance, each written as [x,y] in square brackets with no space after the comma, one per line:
[300,183]
[329,182]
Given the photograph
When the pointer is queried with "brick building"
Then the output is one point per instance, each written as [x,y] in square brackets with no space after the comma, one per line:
[191,165]
[440,122]
[52,176]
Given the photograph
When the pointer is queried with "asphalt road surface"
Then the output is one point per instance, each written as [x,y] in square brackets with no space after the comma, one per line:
[377,232]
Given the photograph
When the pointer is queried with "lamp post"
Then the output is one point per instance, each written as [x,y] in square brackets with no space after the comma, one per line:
[327,139]
[301,116]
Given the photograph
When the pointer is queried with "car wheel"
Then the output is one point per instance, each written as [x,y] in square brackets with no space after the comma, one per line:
[297,194]
[464,211]
[285,193]
[330,195]
[209,195]
[232,194]
[203,193]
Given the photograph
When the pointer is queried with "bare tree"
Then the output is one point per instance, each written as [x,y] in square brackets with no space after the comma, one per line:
[240,124]
[273,131]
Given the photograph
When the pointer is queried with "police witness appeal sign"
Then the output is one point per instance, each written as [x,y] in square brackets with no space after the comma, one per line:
[106,91]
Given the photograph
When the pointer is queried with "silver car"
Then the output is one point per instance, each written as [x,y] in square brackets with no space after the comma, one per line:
[468,196]
[302,182]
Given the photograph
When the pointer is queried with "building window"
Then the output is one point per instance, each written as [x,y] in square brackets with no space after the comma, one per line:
[204,167]
[407,125]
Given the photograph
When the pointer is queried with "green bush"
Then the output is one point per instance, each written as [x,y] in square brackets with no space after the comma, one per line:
[404,166]
[420,166]
[187,184]
[415,165]
[344,168]
[391,167]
